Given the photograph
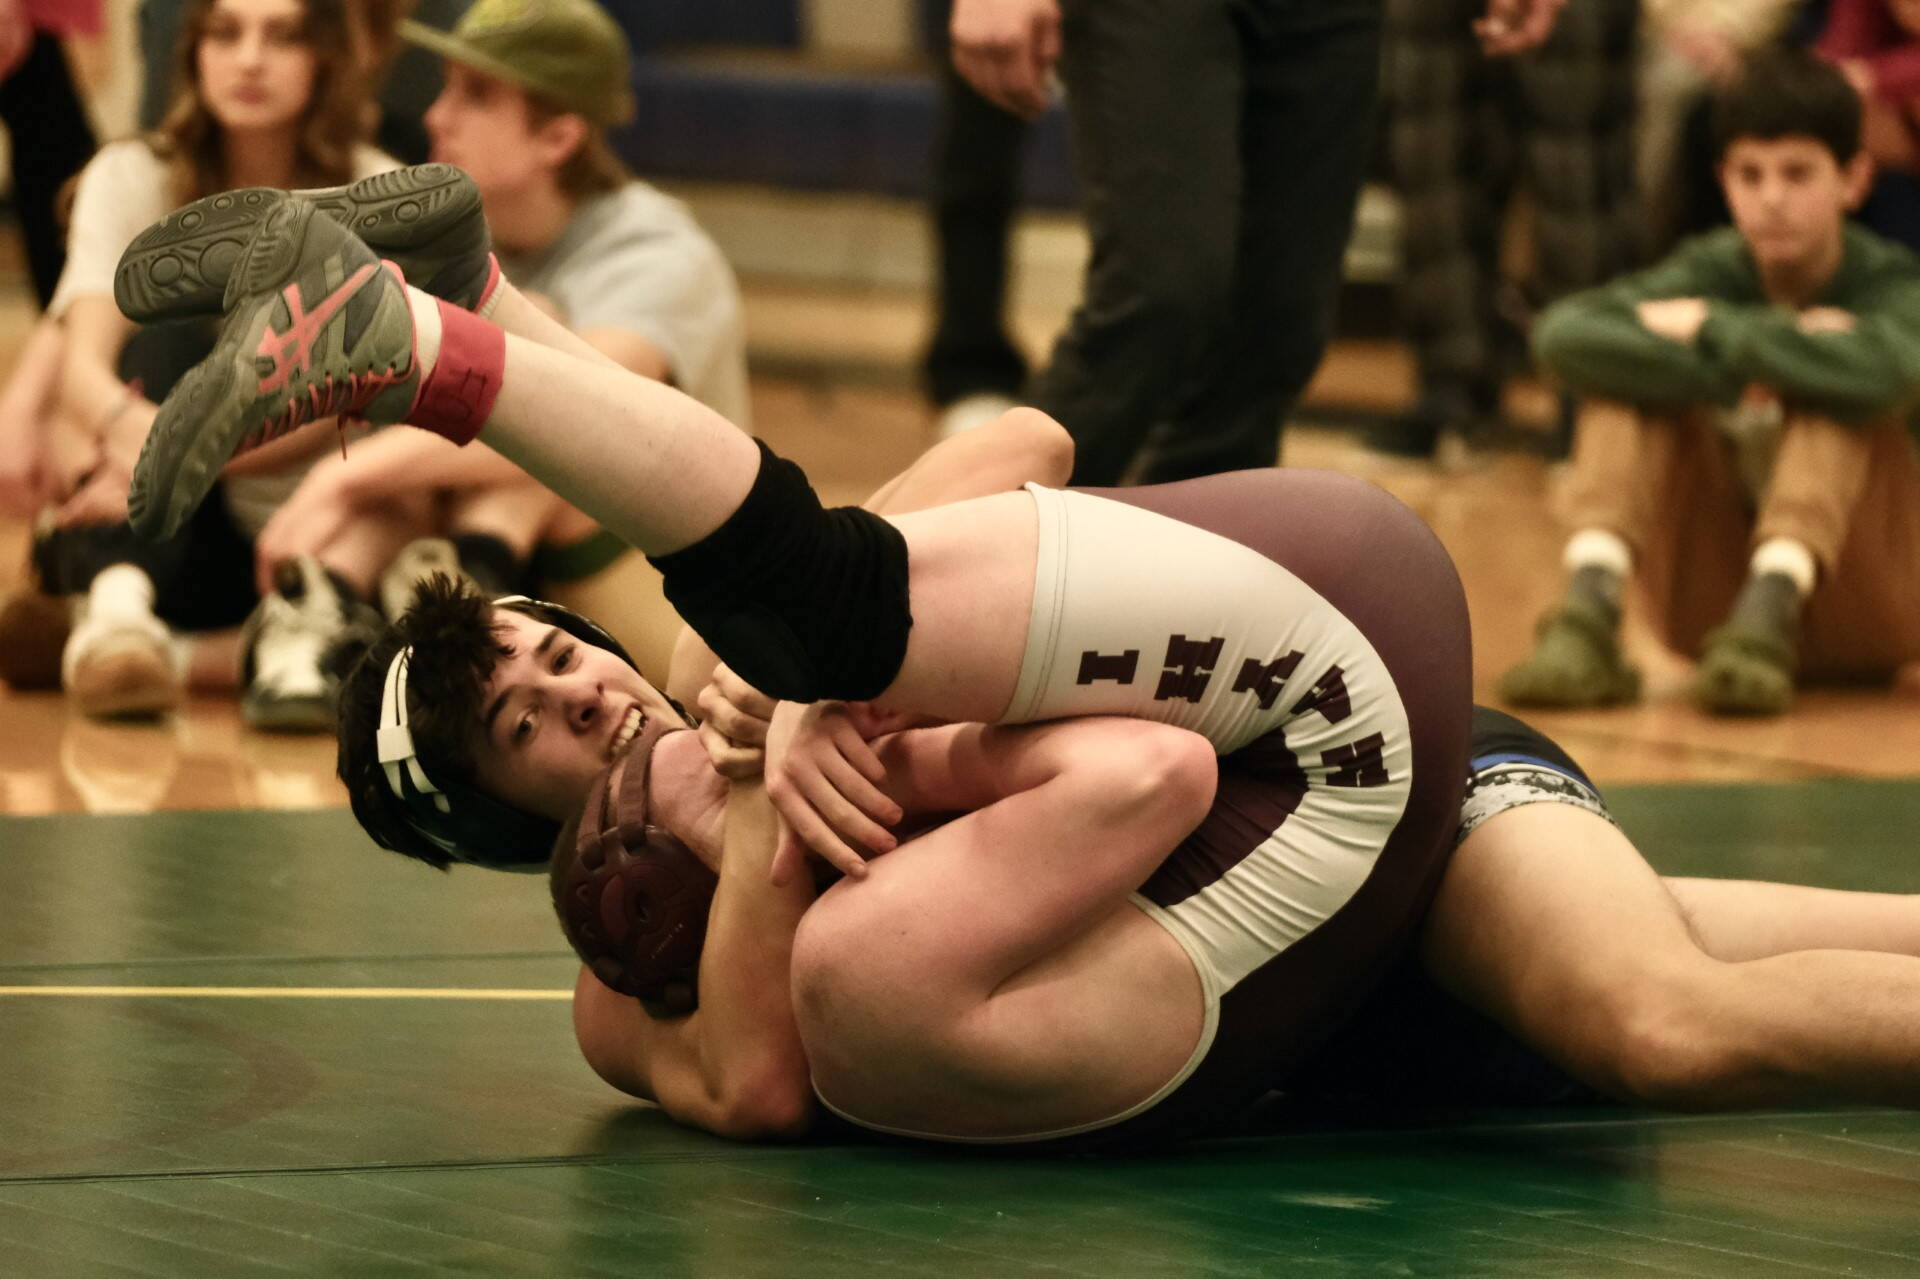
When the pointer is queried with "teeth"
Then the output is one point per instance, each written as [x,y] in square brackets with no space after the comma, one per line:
[628,727]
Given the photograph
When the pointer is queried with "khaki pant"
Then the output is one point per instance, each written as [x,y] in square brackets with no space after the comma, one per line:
[1668,485]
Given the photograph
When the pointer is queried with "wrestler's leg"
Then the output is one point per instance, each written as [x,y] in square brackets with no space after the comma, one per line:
[662,471]
[515,313]
[932,996]
[1550,922]
[1737,919]
[654,465]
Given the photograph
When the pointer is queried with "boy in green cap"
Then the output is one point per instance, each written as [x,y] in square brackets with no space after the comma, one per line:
[531,89]
[1744,448]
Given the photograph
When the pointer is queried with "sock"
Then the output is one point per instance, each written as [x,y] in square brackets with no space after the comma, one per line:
[1788,556]
[491,563]
[458,392]
[1597,562]
[490,295]
[120,589]
[1598,546]
[1769,602]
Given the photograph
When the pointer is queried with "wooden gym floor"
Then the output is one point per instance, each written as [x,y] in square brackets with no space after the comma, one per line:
[240,1040]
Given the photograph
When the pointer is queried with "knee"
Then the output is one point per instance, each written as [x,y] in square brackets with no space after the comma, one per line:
[1160,770]
[1663,1048]
[1042,447]
[858,1002]
[841,969]
[821,968]
[1176,306]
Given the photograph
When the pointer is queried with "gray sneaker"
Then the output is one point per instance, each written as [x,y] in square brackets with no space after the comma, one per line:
[316,326]
[426,218]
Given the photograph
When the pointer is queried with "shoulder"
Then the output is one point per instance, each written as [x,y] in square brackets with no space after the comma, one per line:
[130,160]
[369,160]
[1877,258]
[123,188]
[1719,247]
[1712,263]
[635,214]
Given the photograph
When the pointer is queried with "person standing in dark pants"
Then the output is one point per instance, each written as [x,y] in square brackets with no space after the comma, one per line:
[1220,146]
[972,369]
[51,137]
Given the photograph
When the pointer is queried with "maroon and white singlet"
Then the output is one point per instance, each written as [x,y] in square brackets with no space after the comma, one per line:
[1315,631]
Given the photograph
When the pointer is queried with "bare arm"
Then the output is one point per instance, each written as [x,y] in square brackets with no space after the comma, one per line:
[735,1066]
[630,351]
[27,479]
[90,390]
[962,768]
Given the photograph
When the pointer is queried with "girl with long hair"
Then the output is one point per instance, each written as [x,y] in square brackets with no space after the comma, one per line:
[266,93]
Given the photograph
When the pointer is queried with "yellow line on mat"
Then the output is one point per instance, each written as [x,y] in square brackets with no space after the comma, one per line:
[284,992]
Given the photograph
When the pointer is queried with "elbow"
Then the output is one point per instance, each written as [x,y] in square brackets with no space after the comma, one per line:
[778,1107]
[1555,339]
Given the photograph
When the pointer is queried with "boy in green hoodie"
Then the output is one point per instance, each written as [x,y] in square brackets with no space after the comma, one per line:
[1744,446]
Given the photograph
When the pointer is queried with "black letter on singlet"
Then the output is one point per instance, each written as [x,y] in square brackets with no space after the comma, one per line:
[1328,696]
[1189,666]
[1357,765]
[1264,681]
[1119,669]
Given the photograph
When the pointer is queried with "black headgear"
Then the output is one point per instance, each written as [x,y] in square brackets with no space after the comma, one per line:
[462,820]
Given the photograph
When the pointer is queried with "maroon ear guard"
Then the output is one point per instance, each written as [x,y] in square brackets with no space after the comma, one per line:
[632,899]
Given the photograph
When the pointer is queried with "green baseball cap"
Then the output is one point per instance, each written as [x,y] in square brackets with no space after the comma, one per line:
[567,51]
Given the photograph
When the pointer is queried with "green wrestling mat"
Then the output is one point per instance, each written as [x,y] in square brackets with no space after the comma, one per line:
[250,1043]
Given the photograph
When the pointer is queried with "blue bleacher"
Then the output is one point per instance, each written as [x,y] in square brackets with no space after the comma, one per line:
[725,92]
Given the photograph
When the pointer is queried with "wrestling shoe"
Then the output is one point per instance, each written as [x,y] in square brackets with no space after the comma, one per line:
[427,219]
[316,327]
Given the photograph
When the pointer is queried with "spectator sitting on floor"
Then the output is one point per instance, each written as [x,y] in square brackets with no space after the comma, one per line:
[267,93]
[1744,447]
[531,89]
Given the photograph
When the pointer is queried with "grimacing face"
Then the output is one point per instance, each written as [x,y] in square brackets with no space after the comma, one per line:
[255,63]
[1789,196]
[557,712]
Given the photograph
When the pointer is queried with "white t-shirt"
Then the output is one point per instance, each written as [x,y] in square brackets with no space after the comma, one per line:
[635,259]
[122,191]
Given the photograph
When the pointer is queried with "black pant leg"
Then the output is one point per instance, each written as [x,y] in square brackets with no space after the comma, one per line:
[1153,99]
[52,141]
[975,190]
[1306,134]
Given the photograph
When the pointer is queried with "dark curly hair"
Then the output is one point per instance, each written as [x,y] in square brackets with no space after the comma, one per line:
[456,645]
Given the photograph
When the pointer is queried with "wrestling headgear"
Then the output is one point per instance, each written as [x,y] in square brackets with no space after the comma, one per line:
[458,818]
[632,899]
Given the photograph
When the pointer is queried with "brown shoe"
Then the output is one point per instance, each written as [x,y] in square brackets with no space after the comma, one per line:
[33,629]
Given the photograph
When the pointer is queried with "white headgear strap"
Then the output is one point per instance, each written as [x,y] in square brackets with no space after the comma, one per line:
[397,754]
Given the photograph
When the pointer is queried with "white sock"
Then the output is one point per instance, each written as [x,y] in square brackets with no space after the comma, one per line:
[120,590]
[1787,556]
[1598,548]
[426,329]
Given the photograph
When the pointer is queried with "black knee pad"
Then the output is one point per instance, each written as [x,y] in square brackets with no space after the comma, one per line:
[802,602]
